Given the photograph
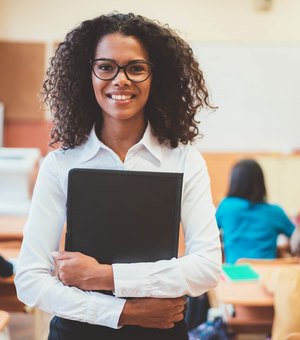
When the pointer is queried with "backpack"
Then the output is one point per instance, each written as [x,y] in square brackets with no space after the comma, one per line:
[210,330]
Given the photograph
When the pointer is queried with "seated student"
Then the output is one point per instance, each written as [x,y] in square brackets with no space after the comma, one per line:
[250,226]
[284,283]
[6,268]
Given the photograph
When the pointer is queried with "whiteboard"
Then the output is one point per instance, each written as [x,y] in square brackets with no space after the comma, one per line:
[257,90]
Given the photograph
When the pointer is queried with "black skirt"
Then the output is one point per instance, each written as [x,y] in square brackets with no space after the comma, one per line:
[64,329]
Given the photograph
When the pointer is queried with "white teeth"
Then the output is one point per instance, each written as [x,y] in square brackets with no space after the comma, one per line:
[120,97]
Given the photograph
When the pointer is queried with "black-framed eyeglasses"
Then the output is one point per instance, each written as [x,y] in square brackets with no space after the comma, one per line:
[136,71]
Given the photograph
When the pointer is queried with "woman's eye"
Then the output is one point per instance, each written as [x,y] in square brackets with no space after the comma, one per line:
[137,68]
[105,67]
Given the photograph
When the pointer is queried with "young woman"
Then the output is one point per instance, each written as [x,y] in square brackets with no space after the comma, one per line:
[124,91]
[250,225]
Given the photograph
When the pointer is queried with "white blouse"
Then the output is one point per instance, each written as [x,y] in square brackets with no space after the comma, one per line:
[192,274]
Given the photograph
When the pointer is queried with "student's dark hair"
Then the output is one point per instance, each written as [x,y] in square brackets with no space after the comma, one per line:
[177,92]
[247,181]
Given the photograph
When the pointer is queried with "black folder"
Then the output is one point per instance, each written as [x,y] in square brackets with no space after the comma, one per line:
[125,216]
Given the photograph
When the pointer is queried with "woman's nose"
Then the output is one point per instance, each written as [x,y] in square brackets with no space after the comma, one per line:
[121,79]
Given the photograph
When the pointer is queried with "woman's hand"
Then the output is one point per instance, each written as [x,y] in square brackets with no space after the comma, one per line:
[82,271]
[152,312]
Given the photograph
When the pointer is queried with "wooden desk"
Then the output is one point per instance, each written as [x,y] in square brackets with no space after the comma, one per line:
[11,227]
[8,295]
[252,303]
[250,293]
[9,300]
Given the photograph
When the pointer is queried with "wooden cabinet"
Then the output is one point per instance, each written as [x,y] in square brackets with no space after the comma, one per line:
[22,68]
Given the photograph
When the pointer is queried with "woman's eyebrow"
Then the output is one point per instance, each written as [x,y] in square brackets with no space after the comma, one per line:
[129,62]
[104,59]
[138,61]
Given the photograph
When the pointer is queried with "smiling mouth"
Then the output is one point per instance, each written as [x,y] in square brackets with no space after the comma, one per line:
[121,97]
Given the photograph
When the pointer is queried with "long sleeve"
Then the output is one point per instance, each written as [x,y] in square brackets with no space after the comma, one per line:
[35,282]
[197,271]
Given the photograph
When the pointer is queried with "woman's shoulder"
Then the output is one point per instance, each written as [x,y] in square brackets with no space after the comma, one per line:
[55,156]
[61,158]
[193,158]
[275,208]
[184,158]
[267,206]
[183,155]
[234,202]
[189,151]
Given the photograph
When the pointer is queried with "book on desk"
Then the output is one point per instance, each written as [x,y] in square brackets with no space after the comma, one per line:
[239,272]
[119,216]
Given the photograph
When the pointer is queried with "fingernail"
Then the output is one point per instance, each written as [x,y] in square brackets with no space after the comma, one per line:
[54,253]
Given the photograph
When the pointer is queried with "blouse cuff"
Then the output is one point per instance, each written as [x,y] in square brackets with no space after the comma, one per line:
[131,280]
[106,309]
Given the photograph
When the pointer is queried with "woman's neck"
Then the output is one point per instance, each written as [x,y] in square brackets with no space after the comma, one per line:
[121,136]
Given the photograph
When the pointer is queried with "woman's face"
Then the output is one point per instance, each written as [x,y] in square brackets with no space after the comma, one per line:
[121,99]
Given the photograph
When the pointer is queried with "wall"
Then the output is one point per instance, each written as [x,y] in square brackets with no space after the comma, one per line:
[198,20]
[28,134]
[281,174]
[256,87]
[223,33]
[22,71]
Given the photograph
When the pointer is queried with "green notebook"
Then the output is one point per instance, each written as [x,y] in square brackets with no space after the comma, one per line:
[239,272]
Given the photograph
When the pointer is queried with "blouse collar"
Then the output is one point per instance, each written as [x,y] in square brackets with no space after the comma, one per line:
[92,145]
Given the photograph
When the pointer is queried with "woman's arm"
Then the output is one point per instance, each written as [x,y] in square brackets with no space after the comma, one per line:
[38,285]
[193,274]
[35,280]
[200,268]
[153,313]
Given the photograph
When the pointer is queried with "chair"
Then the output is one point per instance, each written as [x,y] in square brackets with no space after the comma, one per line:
[284,282]
[4,332]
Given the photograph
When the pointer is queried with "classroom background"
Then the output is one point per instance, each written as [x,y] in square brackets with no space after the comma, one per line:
[249,51]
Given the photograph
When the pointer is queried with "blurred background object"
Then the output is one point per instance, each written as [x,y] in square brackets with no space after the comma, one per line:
[1,123]
[17,168]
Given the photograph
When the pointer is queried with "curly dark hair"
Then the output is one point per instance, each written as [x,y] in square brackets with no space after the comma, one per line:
[177,90]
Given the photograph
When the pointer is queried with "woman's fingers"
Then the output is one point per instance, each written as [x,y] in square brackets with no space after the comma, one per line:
[60,255]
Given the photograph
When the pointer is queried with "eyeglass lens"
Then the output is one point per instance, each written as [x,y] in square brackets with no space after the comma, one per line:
[136,71]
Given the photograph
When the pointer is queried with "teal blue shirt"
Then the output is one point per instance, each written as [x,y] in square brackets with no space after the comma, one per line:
[251,230]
